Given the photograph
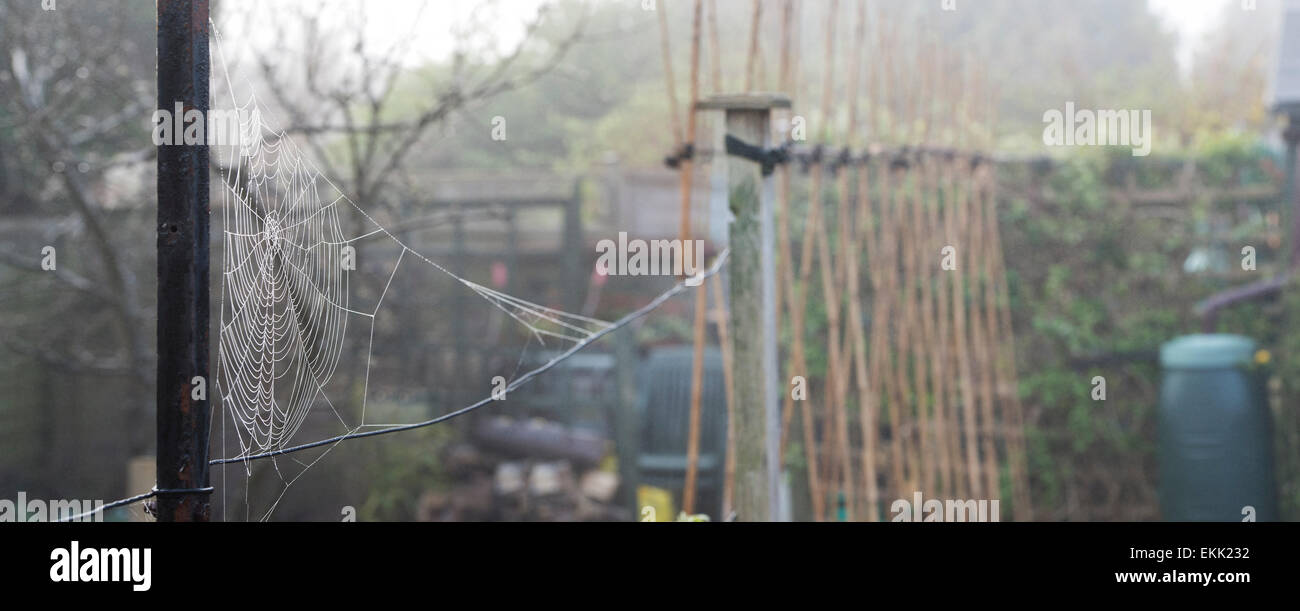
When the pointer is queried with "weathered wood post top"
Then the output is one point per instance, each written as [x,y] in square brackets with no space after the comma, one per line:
[744,101]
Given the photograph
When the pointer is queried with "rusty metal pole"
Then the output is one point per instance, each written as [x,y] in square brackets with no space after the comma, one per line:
[183,411]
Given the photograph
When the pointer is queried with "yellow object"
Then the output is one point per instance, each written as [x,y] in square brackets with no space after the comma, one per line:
[656,504]
[1263,357]
[610,463]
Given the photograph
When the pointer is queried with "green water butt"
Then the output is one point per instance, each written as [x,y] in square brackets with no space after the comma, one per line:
[1215,434]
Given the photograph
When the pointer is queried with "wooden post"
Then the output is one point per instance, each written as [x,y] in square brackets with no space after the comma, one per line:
[753,306]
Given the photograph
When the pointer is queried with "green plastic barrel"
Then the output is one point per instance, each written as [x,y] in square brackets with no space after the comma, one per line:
[664,412]
[1216,445]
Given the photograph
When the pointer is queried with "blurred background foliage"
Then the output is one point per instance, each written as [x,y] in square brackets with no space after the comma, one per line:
[1112,292]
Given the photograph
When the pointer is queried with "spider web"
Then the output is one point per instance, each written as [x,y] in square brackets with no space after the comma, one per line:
[289,305]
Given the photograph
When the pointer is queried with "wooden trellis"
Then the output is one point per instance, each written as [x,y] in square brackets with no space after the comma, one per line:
[900,242]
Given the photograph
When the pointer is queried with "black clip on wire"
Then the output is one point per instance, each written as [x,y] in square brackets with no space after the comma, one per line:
[768,159]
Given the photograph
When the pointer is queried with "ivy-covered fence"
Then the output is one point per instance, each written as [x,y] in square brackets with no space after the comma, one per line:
[1107,257]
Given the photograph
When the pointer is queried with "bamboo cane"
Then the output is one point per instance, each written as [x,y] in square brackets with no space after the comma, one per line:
[697,369]
[895,382]
[715,47]
[793,297]
[933,423]
[751,63]
[840,356]
[981,341]
[724,343]
[963,353]
[956,427]
[866,398]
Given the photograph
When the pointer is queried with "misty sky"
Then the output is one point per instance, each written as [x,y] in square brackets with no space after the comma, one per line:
[1190,18]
